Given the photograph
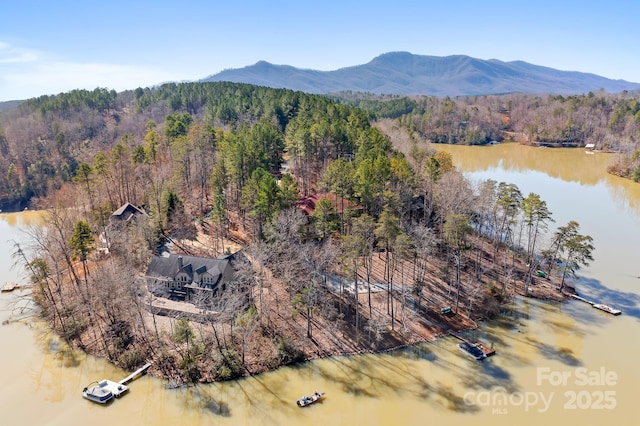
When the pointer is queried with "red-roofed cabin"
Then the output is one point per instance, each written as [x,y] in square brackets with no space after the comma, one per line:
[308,203]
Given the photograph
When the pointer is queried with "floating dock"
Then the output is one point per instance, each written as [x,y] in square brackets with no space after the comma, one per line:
[9,287]
[606,308]
[105,390]
[486,349]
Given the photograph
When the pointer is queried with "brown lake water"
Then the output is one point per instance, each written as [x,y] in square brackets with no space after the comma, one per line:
[555,363]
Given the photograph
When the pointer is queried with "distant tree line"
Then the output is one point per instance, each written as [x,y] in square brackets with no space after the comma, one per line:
[610,122]
[44,139]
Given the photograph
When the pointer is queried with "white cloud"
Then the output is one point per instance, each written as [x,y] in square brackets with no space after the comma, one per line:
[27,73]
[27,80]
[92,75]
[10,54]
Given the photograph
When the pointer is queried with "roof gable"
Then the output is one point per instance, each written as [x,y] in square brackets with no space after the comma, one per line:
[126,211]
[168,267]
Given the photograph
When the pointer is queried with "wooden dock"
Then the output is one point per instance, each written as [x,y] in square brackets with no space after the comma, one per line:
[605,308]
[9,287]
[139,372]
[582,299]
[488,350]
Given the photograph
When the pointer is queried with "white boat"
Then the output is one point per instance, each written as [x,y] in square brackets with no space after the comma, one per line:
[103,391]
[308,400]
[471,350]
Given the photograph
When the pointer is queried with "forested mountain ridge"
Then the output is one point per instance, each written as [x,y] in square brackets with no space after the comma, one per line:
[404,73]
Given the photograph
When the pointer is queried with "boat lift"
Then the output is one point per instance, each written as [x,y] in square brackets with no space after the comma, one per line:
[105,390]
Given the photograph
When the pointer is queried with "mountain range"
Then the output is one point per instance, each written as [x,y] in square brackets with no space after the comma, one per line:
[404,73]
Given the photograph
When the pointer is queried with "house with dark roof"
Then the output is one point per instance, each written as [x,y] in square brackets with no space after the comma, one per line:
[190,278]
[126,213]
[119,221]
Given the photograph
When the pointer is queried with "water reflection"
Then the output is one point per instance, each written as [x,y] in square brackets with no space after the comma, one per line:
[417,352]
[566,164]
[22,219]
[559,163]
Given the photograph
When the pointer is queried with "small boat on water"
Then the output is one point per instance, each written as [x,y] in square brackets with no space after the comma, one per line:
[308,400]
[607,309]
[471,350]
[103,391]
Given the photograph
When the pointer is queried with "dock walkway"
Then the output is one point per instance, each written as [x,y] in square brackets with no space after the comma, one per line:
[140,371]
[582,299]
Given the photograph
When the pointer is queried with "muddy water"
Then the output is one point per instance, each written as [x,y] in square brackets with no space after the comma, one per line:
[555,363]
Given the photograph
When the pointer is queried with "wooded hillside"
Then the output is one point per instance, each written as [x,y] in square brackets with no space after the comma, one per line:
[230,162]
[44,140]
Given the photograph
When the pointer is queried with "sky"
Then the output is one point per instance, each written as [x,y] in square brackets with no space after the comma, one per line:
[53,46]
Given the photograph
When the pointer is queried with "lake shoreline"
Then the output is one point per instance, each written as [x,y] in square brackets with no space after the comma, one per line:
[426,326]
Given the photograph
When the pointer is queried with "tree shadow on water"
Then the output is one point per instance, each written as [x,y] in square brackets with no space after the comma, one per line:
[205,401]
[564,355]
[487,376]
[218,408]
[358,378]
[414,352]
[450,400]
[377,377]
[494,371]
